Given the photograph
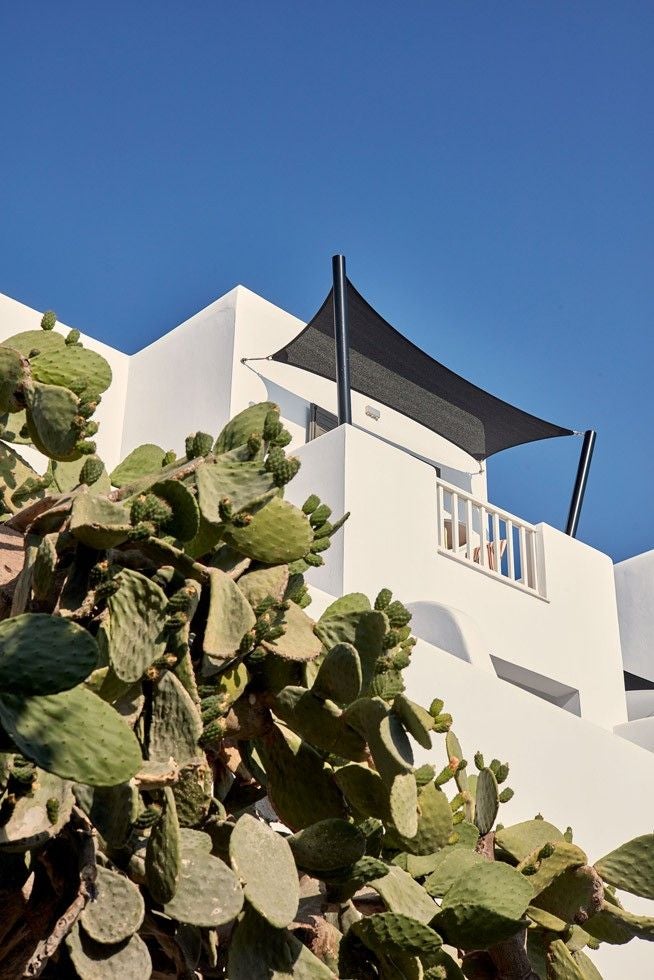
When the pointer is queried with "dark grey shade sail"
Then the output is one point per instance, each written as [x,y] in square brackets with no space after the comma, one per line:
[389,369]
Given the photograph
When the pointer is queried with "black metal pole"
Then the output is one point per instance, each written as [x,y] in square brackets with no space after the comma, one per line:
[342,340]
[583,469]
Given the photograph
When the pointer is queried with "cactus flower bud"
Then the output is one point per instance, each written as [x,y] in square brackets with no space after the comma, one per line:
[310,504]
[48,320]
[91,471]
[383,599]
[436,707]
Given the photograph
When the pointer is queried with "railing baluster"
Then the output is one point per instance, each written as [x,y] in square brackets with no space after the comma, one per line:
[524,570]
[483,536]
[496,543]
[533,560]
[455,522]
[510,557]
[440,496]
[469,530]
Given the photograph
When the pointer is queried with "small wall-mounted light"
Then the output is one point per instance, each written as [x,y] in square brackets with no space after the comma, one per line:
[374,413]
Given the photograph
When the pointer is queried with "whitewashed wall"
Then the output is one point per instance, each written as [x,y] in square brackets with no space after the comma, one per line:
[390,540]
[182,382]
[634,583]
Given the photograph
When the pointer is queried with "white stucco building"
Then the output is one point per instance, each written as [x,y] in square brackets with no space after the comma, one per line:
[524,632]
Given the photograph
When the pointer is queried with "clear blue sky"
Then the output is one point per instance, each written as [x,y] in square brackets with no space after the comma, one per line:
[486,167]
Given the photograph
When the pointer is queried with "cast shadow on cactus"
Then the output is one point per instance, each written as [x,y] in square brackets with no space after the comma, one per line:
[197,779]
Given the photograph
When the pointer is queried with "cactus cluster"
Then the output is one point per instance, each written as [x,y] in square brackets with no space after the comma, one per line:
[197,779]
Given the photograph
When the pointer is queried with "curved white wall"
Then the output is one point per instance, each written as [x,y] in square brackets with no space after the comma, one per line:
[451,630]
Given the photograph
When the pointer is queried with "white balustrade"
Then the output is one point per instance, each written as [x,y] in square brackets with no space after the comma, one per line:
[488,538]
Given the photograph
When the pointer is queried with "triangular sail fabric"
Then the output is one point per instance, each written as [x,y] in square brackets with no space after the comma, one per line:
[389,369]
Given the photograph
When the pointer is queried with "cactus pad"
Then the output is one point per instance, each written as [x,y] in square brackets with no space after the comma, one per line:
[417,720]
[29,824]
[136,616]
[14,471]
[28,340]
[546,920]
[434,822]
[185,521]
[327,846]
[318,722]
[338,623]
[561,964]
[260,952]
[175,725]
[484,906]
[92,473]
[401,894]
[339,676]
[630,867]
[521,839]
[571,896]
[564,857]
[112,810]
[278,533]
[264,864]
[11,376]
[47,729]
[486,801]
[298,642]
[230,616]
[404,804]
[387,931]
[41,654]
[301,785]
[143,461]
[208,892]
[51,420]
[99,523]
[613,924]
[128,960]
[451,863]
[264,583]
[454,750]
[117,910]
[82,371]
[364,790]
[163,852]
[239,429]
[231,477]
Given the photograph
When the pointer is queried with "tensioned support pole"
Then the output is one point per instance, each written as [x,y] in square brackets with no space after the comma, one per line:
[583,469]
[341,336]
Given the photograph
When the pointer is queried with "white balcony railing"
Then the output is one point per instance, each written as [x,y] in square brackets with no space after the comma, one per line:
[489,539]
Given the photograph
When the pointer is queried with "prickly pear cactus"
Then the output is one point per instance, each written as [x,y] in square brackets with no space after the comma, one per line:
[197,779]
